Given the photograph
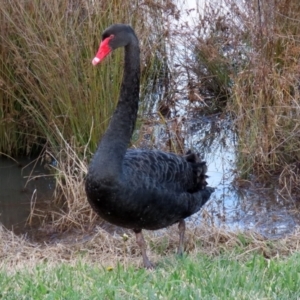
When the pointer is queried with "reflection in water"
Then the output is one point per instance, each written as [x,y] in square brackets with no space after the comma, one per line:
[24,184]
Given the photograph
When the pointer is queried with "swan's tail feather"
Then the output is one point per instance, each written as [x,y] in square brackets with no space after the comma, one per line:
[199,170]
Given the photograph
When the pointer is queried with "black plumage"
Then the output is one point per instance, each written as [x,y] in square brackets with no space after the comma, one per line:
[140,189]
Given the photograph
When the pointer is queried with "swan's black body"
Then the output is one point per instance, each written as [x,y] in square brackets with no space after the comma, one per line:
[140,189]
[152,191]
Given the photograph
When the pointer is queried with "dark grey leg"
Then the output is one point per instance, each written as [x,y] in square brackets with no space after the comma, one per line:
[181,227]
[142,244]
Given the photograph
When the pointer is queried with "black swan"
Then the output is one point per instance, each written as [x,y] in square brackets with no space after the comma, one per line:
[135,188]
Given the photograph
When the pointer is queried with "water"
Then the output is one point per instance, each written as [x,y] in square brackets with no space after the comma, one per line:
[250,207]
[25,184]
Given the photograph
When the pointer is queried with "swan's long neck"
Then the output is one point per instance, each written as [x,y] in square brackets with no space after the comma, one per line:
[107,161]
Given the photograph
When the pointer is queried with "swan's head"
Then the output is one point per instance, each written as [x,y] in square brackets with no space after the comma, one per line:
[115,36]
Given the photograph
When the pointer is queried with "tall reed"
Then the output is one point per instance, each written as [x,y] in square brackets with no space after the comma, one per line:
[48,85]
[245,59]
[266,93]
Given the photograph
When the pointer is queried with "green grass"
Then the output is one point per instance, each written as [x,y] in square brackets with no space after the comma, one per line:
[200,277]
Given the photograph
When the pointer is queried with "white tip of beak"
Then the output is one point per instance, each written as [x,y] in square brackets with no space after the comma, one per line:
[95,61]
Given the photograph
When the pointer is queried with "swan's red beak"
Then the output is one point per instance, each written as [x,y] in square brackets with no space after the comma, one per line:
[103,51]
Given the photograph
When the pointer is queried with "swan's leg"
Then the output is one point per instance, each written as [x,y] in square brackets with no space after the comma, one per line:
[181,227]
[142,244]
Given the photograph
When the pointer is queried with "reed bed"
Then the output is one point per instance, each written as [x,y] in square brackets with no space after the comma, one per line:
[48,85]
[245,63]
[265,97]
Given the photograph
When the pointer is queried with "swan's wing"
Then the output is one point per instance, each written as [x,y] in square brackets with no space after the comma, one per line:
[154,190]
[152,169]
[156,207]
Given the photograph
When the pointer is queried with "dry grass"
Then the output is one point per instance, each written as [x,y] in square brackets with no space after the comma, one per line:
[47,82]
[266,95]
[99,247]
